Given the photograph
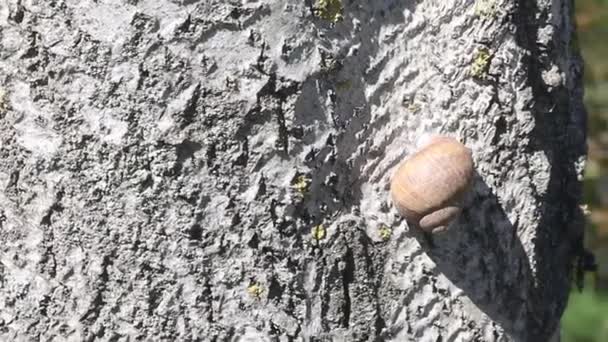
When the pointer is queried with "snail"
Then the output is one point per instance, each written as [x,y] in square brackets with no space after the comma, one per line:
[427,188]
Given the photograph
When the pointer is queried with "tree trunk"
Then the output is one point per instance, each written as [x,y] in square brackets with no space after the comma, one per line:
[218,170]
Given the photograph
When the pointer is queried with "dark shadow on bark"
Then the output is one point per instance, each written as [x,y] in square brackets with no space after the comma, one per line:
[560,133]
[495,279]
[501,281]
[539,294]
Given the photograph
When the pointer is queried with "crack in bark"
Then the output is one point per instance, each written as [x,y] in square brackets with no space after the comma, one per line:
[347,278]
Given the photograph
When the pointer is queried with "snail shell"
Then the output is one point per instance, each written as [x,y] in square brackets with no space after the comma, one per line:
[427,188]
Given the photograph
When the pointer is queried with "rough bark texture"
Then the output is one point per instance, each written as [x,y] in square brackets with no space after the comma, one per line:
[217,170]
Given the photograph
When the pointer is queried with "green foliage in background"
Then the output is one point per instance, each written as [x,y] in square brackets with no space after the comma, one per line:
[592,22]
[586,317]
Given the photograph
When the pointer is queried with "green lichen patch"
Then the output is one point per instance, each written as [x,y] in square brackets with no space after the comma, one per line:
[330,10]
[318,232]
[301,184]
[412,106]
[486,8]
[255,290]
[385,232]
[481,63]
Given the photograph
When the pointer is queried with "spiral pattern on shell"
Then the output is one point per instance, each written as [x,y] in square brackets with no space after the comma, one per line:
[427,189]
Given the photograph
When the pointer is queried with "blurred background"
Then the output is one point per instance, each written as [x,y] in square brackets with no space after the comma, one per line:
[586,317]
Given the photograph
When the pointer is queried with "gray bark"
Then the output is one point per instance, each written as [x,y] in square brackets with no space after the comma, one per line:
[218,170]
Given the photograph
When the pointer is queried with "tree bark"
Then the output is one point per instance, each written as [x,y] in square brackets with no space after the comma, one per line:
[219,170]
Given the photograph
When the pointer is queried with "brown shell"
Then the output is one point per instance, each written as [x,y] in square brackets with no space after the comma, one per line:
[427,188]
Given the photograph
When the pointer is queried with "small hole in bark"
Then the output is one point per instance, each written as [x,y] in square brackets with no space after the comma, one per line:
[195,232]
[253,243]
